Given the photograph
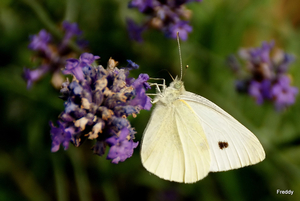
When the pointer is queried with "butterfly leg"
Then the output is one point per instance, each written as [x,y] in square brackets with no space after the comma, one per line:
[163,85]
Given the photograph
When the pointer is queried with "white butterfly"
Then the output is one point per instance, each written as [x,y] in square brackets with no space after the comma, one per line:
[188,136]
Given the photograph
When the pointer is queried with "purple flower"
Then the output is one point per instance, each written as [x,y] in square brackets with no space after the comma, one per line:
[135,31]
[131,65]
[40,41]
[169,17]
[262,54]
[98,102]
[52,54]
[34,75]
[141,98]
[88,58]
[60,135]
[71,29]
[260,90]
[282,93]
[120,147]
[142,5]
[182,28]
[75,66]
[265,75]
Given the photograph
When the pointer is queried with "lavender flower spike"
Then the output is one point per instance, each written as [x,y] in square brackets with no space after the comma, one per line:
[265,75]
[53,55]
[168,16]
[98,102]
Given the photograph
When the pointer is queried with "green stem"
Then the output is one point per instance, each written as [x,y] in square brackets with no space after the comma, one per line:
[60,179]
[81,176]
[72,10]
[43,16]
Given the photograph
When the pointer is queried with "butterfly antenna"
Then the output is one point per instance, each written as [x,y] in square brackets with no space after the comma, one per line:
[179,55]
[186,67]
[171,76]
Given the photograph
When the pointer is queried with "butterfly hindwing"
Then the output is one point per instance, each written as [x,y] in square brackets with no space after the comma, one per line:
[174,146]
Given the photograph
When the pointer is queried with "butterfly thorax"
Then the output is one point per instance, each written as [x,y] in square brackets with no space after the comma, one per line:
[171,93]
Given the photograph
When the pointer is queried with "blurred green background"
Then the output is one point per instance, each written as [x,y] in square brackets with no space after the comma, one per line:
[29,171]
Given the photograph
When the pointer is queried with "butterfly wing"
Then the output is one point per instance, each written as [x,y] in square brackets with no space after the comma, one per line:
[174,146]
[231,144]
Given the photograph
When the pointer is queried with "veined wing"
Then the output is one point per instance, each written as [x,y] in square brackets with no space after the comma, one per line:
[174,146]
[231,144]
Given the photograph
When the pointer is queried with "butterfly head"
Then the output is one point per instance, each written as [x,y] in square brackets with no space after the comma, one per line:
[177,84]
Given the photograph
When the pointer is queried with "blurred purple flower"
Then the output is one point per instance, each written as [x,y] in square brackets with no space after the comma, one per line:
[131,65]
[135,31]
[33,75]
[282,93]
[98,102]
[40,41]
[182,27]
[142,5]
[264,75]
[53,55]
[260,90]
[71,29]
[60,135]
[169,17]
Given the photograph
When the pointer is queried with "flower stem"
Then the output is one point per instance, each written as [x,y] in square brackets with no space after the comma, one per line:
[49,24]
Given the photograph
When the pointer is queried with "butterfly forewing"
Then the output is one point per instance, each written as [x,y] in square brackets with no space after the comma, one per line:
[231,144]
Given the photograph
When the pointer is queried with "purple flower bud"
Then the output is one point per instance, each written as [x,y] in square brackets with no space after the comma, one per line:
[32,76]
[88,58]
[142,5]
[131,65]
[142,80]
[60,135]
[260,90]
[119,123]
[73,67]
[40,41]
[71,29]
[182,27]
[135,31]
[70,106]
[120,147]
[75,88]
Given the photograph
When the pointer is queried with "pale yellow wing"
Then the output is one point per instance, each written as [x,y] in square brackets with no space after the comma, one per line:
[174,146]
[231,144]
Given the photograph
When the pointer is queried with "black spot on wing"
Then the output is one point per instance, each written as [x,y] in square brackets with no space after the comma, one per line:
[223,145]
